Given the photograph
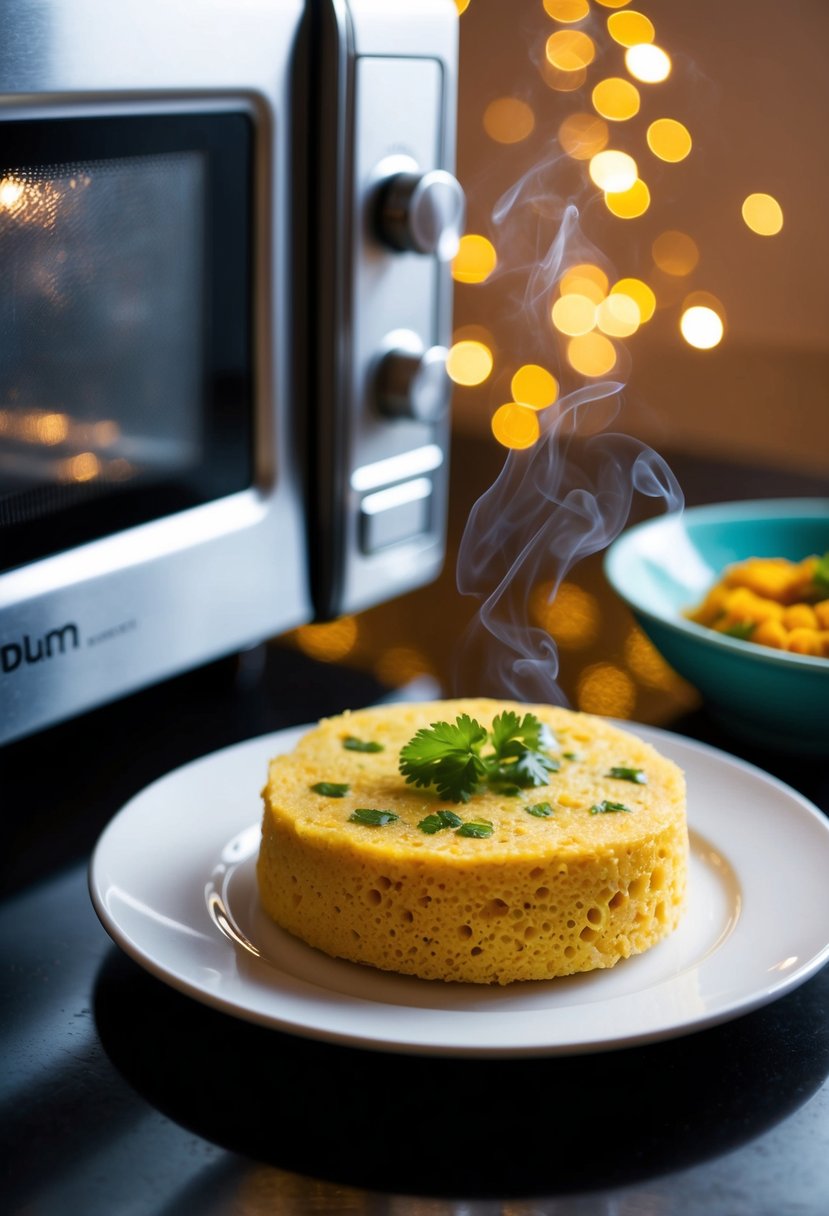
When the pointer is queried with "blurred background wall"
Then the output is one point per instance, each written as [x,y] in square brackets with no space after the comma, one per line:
[749,82]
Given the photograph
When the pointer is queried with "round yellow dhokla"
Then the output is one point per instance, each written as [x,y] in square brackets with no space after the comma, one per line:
[539,898]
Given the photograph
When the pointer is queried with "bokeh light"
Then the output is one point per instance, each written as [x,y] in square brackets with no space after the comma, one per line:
[763,214]
[647,664]
[52,429]
[534,386]
[641,293]
[648,63]
[613,3]
[469,362]
[613,172]
[629,204]
[401,664]
[329,641]
[574,314]
[604,688]
[591,354]
[583,135]
[618,316]
[84,467]
[562,82]
[616,99]
[669,139]
[571,616]
[567,11]
[106,432]
[11,191]
[515,426]
[475,260]
[585,279]
[701,326]
[461,6]
[508,120]
[570,50]
[675,252]
[630,28]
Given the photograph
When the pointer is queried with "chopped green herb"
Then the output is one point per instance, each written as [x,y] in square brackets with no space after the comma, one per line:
[449,755]
[438,821]
[622,773]
[604,807]
[504,788]
[372,818]
[479,828]
[541,810]
[742,630]
[821,575]
[359,745]
[330,789]
[571,755]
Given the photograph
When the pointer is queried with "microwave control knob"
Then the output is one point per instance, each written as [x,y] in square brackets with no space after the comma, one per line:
[412,380]
[423,213]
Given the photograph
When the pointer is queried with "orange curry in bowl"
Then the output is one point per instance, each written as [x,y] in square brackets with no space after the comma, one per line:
[773,602]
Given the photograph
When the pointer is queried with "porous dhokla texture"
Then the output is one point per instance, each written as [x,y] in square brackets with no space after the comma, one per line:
[539,898]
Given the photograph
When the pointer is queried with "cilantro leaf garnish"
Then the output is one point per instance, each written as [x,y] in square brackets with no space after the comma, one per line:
[438,821]
[820,578]
[331,789]
[742,630]
[372,818]
[446,755]
[624,773]
[533,768]
[450,756]
[477,828]
[351,744]
[512,736]
[604,807]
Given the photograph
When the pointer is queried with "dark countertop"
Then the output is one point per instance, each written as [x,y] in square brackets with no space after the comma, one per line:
[121,1096]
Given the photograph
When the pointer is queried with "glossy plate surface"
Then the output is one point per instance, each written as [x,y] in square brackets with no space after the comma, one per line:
[172,879]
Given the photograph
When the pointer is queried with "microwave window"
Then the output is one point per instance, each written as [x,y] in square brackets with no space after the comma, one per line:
[125,378]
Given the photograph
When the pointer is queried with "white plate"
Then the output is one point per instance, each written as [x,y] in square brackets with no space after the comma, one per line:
[172,879]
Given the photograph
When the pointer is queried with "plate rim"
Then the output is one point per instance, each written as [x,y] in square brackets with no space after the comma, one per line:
[281,739]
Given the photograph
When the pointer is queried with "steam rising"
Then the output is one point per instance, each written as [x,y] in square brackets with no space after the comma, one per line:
[567,497]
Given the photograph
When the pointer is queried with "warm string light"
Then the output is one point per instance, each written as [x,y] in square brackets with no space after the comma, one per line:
[669,139]
[508,120]
[534,386]
[469,362]
[330,641]
[570,50]
[594,316]
[630,28]
[591,316]
[616,99]
[648,63]
[567,11]
[475,260]
[569,614]
[762,214]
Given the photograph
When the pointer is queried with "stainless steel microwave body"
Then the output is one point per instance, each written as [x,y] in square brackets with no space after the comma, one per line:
[225,228]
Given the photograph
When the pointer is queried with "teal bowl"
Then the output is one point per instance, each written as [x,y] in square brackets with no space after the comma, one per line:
[665,566]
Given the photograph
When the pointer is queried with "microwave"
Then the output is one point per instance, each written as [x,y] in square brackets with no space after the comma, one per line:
[226,229]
